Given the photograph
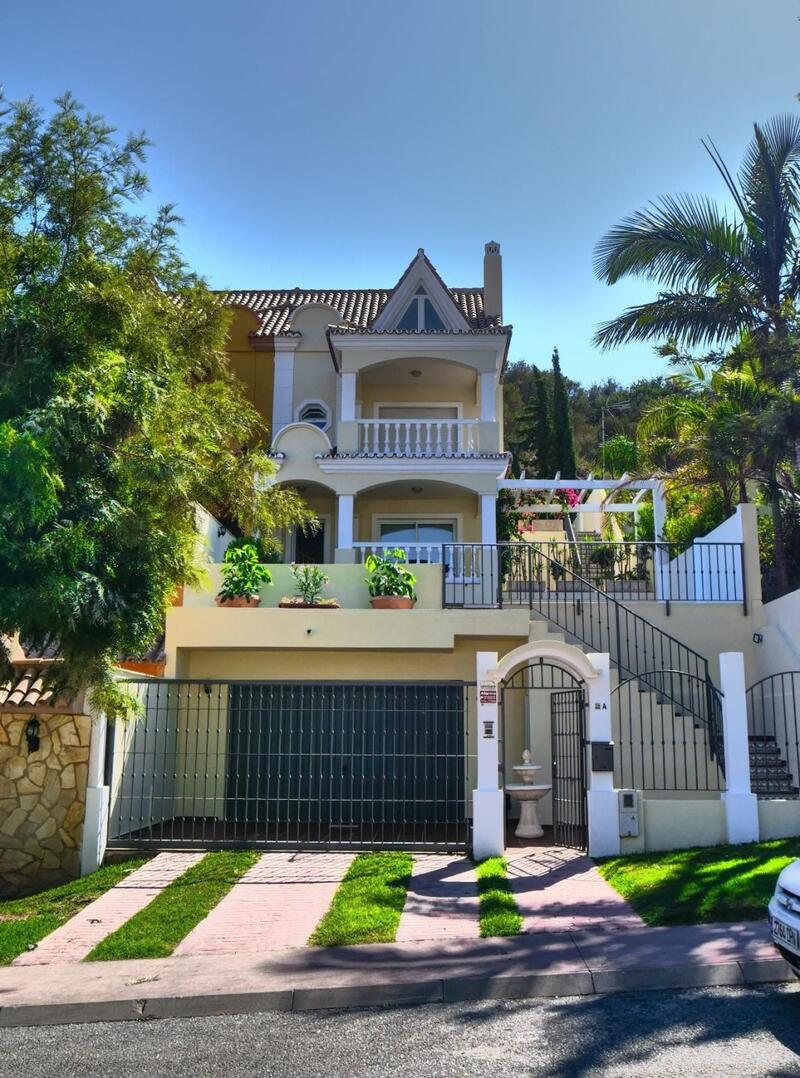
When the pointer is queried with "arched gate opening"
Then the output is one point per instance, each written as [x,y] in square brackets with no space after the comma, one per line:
[542,711]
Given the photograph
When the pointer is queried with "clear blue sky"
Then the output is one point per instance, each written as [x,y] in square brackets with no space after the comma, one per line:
[320,143]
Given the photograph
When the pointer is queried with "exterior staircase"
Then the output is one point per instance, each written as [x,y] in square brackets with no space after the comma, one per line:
[770,777]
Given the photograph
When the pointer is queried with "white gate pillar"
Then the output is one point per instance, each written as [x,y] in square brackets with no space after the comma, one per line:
[741,804]
[95,820]
[488,823]
[601,797]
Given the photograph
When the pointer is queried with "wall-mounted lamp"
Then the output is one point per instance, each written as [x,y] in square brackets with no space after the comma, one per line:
[32,734]
[207,688]
[415,374]
[758,638]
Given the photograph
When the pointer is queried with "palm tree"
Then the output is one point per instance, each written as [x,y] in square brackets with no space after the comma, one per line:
[707,432]
[730,281]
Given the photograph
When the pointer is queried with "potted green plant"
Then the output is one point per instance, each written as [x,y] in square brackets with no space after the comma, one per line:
[309,582]
[242,575]
[390,583]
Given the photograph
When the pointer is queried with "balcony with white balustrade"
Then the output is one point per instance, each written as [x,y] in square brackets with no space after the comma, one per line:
[417,437]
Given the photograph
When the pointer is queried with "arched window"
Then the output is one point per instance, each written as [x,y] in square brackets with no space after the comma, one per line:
[420,314]
[316,412]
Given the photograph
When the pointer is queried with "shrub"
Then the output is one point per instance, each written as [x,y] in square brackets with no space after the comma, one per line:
[243,573]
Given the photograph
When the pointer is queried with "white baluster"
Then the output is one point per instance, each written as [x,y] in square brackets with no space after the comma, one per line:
[438,428]
[449,448]
[428,441]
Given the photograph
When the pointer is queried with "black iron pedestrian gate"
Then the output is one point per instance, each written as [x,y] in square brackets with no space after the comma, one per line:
[345,765]
[568,733]
[542,708]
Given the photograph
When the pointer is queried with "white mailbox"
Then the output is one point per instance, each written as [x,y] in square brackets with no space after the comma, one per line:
[629,808]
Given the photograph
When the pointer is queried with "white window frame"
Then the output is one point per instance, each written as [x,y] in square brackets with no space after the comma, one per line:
[455,519]
[319,404]
[458,405]
[420,298]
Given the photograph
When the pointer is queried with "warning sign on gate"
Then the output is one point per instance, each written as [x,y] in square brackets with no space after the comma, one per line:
[487,693]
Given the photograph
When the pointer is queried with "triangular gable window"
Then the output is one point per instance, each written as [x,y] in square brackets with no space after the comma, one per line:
[420,314]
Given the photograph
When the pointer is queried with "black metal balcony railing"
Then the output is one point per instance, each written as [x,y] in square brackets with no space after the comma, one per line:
[702,572]
[523,574]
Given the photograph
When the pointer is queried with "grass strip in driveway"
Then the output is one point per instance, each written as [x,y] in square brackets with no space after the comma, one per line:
[700,886]
[156,930]
[499,913]
[25,921]
[368,902]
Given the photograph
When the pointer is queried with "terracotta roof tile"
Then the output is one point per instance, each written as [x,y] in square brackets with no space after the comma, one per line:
[358,307]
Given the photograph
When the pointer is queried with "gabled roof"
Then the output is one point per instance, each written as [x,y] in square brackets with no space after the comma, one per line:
[358,307]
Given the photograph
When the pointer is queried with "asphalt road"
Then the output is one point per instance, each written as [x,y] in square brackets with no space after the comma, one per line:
[717,1032]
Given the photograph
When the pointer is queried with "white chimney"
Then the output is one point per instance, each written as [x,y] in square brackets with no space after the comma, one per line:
[493,281]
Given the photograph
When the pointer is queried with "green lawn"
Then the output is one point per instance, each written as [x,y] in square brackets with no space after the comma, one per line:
[155,931]
[367,905]
[499,913]
[717,883]
[25,921]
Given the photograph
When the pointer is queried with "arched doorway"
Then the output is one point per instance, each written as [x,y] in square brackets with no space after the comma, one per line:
[542,707]
[543,711]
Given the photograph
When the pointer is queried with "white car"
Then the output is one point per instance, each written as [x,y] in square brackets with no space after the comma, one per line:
[784,915]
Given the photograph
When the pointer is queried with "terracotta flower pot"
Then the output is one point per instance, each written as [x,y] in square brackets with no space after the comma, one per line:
[249,601]
[392,602]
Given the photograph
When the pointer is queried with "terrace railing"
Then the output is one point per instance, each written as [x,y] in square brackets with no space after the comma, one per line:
[417,437]
[524,574]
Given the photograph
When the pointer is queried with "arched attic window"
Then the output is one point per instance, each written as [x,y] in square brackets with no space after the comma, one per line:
[420,314]
[315,412]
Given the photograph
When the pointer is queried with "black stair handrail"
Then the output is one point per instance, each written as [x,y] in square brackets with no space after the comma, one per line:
[636,646]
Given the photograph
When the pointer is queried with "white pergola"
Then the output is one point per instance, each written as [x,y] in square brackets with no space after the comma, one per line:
[584,487]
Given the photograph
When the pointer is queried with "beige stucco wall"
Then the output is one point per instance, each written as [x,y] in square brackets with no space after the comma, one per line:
[414,392]
[463,510]
[675,821]
[42,800]
[347,584]
[255,369]
[780,627]
[778,819]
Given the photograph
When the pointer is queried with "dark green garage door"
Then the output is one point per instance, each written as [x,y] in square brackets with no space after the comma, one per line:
[348,764]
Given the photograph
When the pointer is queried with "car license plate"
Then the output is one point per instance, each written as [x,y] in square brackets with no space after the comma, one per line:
[785,934]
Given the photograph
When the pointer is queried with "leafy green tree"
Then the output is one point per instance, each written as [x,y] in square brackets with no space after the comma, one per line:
[729,282]
[118,413]
[563,453]
[621,456]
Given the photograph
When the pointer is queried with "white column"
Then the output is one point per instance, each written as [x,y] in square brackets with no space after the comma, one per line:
[487,387]
[488,824]
[489,518]
[661,559]
[344,521]
[741,804]
[348,405]
[601,797]
[283,386]
[95,820]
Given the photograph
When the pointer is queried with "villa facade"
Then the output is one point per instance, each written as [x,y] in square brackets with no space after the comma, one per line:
[609,661]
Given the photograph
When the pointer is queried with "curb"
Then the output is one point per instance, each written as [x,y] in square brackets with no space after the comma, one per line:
[434,990]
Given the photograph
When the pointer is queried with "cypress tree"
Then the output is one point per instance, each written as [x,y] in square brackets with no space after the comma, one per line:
[536,428]
[563,438]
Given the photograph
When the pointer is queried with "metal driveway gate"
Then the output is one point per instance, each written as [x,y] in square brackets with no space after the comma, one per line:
[346,765]
[568,725]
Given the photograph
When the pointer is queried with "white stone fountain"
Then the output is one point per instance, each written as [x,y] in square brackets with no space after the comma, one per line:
[528,793]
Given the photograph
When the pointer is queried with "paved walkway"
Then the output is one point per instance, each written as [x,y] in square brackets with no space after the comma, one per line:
[545,964]
[73,940]
[558,890]
[442,901]
[277,904]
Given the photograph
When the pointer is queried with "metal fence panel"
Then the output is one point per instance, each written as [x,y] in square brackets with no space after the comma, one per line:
[773,718]
[295,764]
